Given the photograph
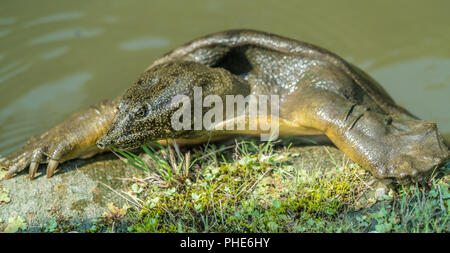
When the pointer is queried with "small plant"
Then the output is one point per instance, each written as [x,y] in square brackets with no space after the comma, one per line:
[259,187]
[15,224]
[168,168]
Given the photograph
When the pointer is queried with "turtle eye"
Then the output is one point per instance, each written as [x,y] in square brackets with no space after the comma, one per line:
[142,112]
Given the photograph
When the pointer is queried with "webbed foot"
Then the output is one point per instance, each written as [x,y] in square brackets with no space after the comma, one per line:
[395,149]
[417,150]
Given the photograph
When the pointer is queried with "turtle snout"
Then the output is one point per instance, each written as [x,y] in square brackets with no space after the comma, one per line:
[104,142]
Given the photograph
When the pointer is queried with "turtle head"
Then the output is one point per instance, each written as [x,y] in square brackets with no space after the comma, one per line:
[147,109]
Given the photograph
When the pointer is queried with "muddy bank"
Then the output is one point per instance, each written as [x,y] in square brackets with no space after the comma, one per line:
[77,193]
[81,189]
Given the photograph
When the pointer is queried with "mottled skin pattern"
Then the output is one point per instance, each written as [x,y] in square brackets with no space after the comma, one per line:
[145,110]
[320,94]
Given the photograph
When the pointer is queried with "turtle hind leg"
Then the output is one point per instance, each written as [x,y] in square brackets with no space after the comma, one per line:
[392,147]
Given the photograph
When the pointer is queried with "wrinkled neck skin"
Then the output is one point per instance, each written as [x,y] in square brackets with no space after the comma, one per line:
[145,111]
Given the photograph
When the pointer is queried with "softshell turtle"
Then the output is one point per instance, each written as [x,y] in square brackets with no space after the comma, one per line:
[319,94]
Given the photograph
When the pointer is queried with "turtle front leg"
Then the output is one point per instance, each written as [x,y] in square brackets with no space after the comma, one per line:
[394,148]
[73,138]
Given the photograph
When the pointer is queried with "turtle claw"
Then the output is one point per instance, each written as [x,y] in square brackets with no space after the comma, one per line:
[31,157]
[73,138]
[7,176]
[17,167]
[33,168]
[51,167]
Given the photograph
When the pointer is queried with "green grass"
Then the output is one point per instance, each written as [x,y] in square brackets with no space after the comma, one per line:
[262,187]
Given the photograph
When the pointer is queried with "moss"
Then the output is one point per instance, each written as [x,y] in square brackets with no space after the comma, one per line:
[258,187]
[254,188]
[264,187]
[15,224]
[4,197]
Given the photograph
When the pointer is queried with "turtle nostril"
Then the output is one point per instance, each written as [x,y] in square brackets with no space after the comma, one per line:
[101,144]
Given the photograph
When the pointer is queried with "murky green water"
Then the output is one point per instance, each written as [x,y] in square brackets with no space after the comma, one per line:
[57,57]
